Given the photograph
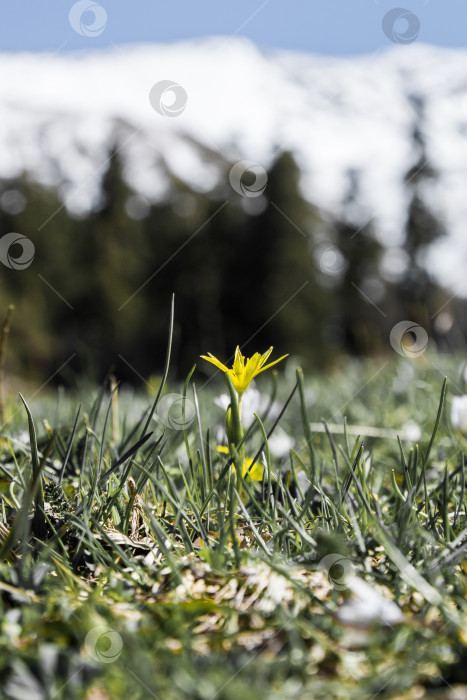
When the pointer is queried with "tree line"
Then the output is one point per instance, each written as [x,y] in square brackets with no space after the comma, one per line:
[273,270]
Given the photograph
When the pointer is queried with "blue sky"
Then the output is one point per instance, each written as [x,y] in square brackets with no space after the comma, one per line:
[336,27]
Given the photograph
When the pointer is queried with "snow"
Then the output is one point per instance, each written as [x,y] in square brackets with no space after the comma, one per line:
[59,113]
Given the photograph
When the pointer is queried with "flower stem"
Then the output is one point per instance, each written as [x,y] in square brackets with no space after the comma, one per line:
[235,432]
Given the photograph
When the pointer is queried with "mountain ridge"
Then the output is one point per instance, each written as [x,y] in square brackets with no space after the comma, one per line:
[61,113]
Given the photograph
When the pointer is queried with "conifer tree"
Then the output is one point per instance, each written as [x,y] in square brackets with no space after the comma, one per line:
[418,294]
[359,290]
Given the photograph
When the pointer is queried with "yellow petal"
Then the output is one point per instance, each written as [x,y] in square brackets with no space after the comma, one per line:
[251,369]
[265,356]
[237,381]
[256,472]
[215,362]
[271,364]
[244,371]
[238,364]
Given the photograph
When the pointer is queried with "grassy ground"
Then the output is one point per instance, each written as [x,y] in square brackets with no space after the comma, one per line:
[170,577]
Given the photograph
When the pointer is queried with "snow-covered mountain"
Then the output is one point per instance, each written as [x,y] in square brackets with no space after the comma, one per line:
[58,115]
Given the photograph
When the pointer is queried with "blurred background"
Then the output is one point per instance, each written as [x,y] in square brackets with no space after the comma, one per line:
[295,175]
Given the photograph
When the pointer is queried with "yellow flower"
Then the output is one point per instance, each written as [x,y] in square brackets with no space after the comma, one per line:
[255,473]
[243,371]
